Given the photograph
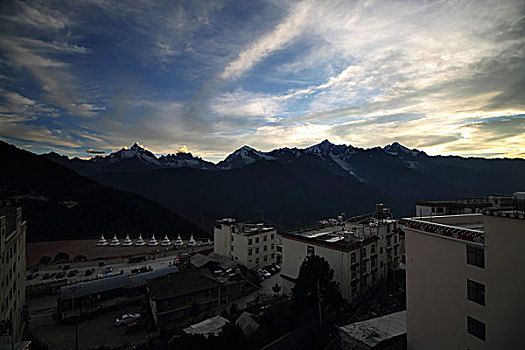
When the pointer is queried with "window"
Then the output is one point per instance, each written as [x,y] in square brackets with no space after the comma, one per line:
[476,328]
[353,257]
[395,239]
[380,250]
[388,241]
[233,238]
[310,250]
[354,272]
[388,228]
[249,241]
[363,252]
[374,262]
[256,250]
[265,248]
[256,239]
[273,255]
[256,260]
[265,258]
[272,236]
[373,249]
[265,238]
[476,292]
[476,256]
[249,251]
[381,263]
[273,246]
[395,250]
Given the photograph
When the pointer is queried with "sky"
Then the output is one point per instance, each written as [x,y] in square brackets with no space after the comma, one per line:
[446,77]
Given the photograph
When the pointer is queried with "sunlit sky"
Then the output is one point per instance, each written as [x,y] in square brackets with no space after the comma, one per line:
[446,77]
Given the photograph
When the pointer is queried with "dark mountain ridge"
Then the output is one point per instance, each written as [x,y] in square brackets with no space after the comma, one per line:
[60,204]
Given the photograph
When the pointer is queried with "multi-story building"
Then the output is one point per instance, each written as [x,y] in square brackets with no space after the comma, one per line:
[12,272]
[175,297]
[362,251]
[251,245]
[463,205]
[464,281]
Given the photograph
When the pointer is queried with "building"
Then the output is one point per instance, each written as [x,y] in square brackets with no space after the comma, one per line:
[84,297]
[464,281]
[385,332]
[251,245]
[176,297]
[463,205]
[210,326]
[12,273]
[362,251]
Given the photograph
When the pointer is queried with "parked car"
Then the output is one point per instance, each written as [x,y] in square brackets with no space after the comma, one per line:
[127,318]
[60,275]
[66,267]
[263,273]
[109,269]
[49,275]
[88,273]
[72,273]
[101,263]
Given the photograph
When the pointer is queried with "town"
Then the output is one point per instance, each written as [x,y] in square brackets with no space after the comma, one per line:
[364,282]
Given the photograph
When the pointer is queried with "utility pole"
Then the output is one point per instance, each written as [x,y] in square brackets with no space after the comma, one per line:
[319,303]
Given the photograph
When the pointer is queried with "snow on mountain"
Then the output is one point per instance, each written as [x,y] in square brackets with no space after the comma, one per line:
[242,157]
[397,149]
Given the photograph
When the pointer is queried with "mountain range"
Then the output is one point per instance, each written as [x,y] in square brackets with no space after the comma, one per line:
[290,187]
[58,203]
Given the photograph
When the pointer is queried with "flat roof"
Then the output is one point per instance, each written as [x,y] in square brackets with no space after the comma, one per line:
[464,230]
[376,330]
[211,325]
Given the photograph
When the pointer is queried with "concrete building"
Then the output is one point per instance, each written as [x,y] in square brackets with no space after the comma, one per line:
[179,296]
[362,251]
[12,272]
[464,205]
[251,245]
[464,281]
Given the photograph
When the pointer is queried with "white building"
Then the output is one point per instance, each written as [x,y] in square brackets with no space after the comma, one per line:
[464,279]
[362,251]
[12,272]
[251,245]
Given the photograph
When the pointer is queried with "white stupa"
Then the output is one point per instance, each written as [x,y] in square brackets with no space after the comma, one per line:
[102,241]
[153,241]
[140,241]
[127,242]
[166,241]
[179,242]
[115,241]
[191,242]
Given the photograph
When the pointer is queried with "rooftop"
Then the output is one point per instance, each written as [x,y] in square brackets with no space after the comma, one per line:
[114,282]
[209,326]
[343,236]
[374,331]
[181,283]
[464,227]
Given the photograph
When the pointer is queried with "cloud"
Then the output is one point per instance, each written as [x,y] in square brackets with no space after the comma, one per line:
[281,35]
[92,151]
[182,149]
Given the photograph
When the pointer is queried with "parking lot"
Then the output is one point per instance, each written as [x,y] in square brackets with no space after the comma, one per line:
[94,332]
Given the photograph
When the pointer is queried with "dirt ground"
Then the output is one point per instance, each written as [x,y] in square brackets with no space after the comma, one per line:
[87,247]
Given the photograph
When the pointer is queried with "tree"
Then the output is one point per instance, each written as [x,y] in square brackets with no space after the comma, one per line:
[61,256]
[80,258]
[276,289]
[315,269]
[45,260]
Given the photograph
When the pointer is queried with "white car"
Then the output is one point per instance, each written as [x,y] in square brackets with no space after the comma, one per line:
[127,318]
[263,273]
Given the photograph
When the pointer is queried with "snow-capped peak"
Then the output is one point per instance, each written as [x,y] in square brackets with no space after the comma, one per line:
[135,151]
[396,148]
